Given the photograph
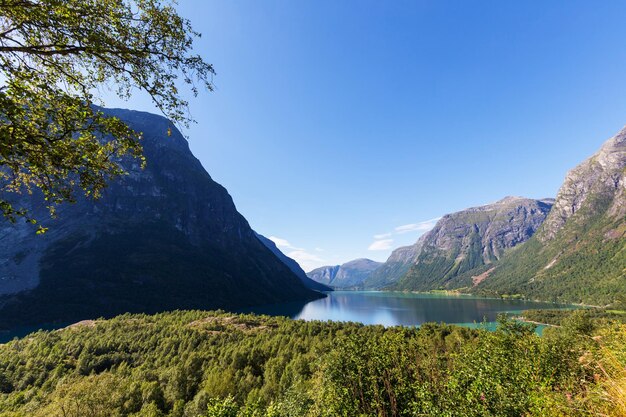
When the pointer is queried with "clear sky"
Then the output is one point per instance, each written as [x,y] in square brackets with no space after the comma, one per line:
[336,123]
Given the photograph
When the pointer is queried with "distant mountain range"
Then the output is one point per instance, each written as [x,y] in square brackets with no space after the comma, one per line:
[348,275]
[169,237]
[572,249]
[161,238]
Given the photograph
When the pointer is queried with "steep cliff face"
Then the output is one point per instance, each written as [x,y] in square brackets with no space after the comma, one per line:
[579,254]
[293,265]
[160,238]
[348,275]
[591,185]
[468,240]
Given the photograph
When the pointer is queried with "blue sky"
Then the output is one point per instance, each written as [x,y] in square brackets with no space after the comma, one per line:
[343,128]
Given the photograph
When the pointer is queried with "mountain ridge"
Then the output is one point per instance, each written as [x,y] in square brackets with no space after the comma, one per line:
[159,238]
[347,275]
[459,243]
[579,253]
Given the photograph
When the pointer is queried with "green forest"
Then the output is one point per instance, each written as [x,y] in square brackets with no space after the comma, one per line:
[195,363]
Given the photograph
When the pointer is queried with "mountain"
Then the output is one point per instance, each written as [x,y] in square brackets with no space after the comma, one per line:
[293,265]
[463,245]
[394,268]
[350,274]
[161,238]
[579,254]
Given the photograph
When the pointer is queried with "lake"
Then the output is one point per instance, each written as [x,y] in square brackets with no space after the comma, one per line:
[399,308]
[378,307]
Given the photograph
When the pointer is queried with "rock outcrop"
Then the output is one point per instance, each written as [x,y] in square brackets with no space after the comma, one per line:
[599,179]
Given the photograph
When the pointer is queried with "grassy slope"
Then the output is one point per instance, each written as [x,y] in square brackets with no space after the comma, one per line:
[585,265]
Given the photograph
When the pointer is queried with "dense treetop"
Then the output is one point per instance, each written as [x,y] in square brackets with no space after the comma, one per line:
[56,56]
[215,364]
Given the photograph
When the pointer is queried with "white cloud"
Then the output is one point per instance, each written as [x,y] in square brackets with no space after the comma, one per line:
[383,244]
[384,241]
[417,227]
[308,261]
[382,236]
[283,243]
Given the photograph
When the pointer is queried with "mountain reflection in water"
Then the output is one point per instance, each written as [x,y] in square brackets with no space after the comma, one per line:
[397,308]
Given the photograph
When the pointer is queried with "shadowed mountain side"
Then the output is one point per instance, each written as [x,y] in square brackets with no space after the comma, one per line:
[160,238]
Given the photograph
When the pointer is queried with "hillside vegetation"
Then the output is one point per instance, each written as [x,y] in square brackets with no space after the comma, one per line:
[579,253]
[585,262]
[215,364]
[465,243]
[573,250]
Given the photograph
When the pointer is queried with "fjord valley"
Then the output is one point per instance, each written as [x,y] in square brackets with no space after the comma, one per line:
[393,236]
[168,237]
[572,249]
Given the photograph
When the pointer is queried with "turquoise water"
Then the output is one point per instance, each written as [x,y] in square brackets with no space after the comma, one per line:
[406,309]
[376,307]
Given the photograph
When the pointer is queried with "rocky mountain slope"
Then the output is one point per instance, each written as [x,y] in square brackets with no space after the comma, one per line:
[160,238]
[293,265]
[579,254]
[394,268]
[462,243]
[351,274]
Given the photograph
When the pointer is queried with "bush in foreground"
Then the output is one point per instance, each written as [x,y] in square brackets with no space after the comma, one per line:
[215,364]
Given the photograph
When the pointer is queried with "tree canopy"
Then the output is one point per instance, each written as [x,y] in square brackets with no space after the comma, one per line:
[56,57]
[215,364]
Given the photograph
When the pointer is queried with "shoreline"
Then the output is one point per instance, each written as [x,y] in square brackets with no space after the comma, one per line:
[468,294]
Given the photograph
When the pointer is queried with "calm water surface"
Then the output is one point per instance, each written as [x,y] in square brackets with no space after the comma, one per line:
[375,307]
[397,308]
